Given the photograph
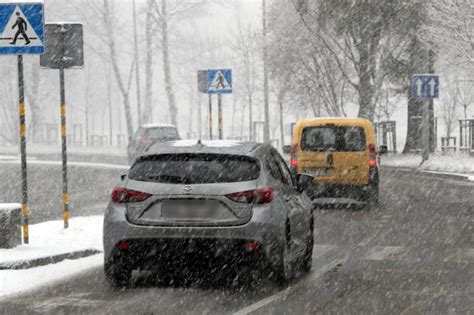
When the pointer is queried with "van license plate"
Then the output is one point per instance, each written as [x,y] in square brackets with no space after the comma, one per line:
[318,171]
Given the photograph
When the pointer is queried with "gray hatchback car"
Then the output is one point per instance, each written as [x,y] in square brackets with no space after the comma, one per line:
[217,200]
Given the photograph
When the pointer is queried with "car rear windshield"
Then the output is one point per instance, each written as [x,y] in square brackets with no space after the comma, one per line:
[195,169]
[333,138]
[162,133]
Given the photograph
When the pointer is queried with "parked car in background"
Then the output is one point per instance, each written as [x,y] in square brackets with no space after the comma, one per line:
[341,154]
[147,135]
[219,201]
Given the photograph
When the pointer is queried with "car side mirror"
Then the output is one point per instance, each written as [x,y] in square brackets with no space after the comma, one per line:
[383,149]
[303,182]
[286,149]
[123,176]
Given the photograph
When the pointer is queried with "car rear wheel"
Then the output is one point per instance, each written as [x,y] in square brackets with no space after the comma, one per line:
[307,261]
[116,273]
[284,270]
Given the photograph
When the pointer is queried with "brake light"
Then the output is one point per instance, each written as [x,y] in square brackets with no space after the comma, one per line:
[257,196]
[123,195]
[294,156]
[145,140]
[372,155]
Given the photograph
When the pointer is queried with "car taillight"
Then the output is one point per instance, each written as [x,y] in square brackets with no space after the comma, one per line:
[145,140]
[294,156]
[123,195]
[257,196]
[372,155]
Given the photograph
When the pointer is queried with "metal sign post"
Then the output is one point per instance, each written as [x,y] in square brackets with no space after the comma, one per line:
[425,87]
[219,116]
[210,117]
[64,50]
[22,33]
[215,81]
[24,178]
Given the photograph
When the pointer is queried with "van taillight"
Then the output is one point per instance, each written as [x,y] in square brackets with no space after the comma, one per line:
[372,155]
[123,195]
[294,156]
[257,196]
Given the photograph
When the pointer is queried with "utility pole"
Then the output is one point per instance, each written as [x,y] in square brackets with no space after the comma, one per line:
[266,126]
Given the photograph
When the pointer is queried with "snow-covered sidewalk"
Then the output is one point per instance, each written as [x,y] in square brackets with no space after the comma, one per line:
[449,164]
[50,239]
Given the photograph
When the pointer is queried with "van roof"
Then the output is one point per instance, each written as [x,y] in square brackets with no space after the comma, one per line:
[339,120]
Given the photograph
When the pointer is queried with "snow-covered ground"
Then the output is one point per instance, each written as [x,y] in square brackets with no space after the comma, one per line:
[10,159]
[447,163]
[17,281]
[56,149]
[49,239]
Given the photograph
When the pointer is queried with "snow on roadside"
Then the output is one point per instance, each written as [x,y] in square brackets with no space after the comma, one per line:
[56,149]
[455,163]
[17,281]
[78,164]
[50,238]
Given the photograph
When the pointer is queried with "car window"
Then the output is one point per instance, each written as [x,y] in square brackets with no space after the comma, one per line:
[273,168]
[195,169]
[287,179]
[335,138]
[162,133]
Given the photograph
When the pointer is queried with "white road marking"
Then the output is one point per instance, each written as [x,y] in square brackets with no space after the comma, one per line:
[384,253]
[272,298]
[319,250]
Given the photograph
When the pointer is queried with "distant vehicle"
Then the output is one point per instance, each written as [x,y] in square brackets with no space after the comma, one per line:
[225,201]
[341,154]
[147,135]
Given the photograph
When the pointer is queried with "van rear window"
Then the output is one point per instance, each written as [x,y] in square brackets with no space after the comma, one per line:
[195,169]
[333,138]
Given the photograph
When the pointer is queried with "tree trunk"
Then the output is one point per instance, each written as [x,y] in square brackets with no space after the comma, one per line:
[266,105]
[167,67]
[137,64]
[113,56]
[365,90]
[250,118]
[147,108]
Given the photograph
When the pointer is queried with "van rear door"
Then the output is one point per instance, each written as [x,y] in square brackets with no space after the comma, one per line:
[334,154]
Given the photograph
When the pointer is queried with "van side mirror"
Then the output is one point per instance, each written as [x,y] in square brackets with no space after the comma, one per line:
[383,149]
[303,182]
[123,176]
[286,149]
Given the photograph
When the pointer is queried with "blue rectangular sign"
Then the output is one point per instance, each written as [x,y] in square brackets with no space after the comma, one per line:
[219,81]
[425,86]
[21,28]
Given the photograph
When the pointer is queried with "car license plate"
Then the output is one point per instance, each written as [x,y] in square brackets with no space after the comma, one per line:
[188,209]
[316,172]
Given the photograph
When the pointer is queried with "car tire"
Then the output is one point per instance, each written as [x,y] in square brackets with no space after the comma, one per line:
[116,273]
[284,269]
[307,260]
[372,194]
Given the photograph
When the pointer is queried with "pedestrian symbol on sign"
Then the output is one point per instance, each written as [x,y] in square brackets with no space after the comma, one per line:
[220,81]
[22,27]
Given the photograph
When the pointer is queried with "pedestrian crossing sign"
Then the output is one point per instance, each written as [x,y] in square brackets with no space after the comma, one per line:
[219,81]
[21,28]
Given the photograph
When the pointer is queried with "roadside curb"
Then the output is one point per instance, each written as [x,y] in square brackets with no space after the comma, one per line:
[43,261]
[436,174]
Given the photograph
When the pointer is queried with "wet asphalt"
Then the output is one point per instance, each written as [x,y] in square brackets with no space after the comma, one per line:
[412,254]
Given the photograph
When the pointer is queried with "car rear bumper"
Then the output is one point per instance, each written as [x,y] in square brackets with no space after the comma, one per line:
[265,228]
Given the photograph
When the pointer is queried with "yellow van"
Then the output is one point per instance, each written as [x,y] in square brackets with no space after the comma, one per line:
[340,153]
